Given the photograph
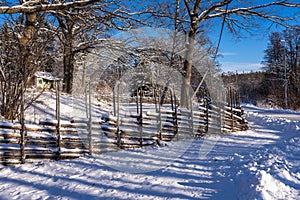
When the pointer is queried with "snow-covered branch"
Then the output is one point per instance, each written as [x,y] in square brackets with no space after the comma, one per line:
[36,6]
[219,11]
[265,11]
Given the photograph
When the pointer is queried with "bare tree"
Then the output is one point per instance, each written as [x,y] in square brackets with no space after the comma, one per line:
[68,26]
[79,24]
[282,64]
[20,59]
[239,16]
[77,33]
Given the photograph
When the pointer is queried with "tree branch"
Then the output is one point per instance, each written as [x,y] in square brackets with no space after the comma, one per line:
[38,7]
[188,7]
[255,11]
[205,13]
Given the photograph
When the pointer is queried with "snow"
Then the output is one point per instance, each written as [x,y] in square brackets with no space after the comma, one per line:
[70,107]
[260,163]
[46,75]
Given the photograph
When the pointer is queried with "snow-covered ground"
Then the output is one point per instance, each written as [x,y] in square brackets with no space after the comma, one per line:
[260,163]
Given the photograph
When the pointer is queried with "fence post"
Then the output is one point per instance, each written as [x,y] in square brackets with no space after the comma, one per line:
[175,115]
[118,117]
[90,122]
[137,101]
[141,118]
[191,116]
[86,100]
[155,98]
[206,116]
[22,122]
[159,125]
[114,101]
[172,102]
[58,119]
[231,107]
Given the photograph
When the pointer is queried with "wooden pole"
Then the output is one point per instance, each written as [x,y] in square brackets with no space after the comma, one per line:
[141,118]
[118,116]
[22,122]
[58,119]
[86,101]
[231,106]
[176,115]
[172,102]
[90,122]
[137,101]
[159,125]
[114,101]
[206,116]
[191,116]
[155,98]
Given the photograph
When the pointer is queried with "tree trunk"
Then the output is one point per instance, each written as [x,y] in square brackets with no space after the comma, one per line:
[68,64]
[24,40]
[29,29]
[186,92]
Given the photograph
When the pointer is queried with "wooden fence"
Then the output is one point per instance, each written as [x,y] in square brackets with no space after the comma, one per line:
[72,139]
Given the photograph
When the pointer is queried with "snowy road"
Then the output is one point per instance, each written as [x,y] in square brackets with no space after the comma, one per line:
[288,114]
[260,163]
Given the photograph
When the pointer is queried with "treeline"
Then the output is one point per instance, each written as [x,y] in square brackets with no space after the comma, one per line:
[261,88]
[282,64]
[279,83]
[253,87]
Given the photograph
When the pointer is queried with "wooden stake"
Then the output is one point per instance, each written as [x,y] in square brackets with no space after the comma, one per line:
[58,118]
[118,116]
[206,116]
[175,113]
[22,122]
[90,121]
[114,101]
[141,118]
[159,126]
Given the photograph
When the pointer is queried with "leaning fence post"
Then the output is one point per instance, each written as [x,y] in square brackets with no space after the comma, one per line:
[175,115]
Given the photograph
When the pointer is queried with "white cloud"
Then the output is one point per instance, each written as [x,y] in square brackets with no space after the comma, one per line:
[228,54]
[240,67]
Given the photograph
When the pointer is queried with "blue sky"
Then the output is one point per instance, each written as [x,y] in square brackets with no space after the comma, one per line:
[242,55]
[246,54]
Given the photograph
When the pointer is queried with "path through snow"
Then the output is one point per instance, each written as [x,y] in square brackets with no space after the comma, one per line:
[261,163]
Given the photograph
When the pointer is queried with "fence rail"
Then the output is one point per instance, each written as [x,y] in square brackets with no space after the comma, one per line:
[71,139]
